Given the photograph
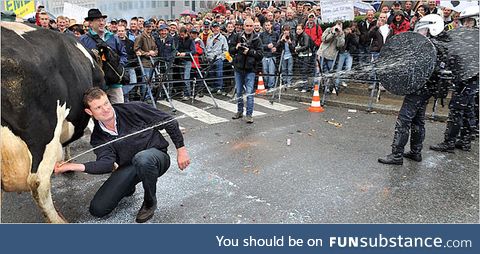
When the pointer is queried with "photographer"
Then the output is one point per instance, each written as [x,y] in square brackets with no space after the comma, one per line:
[246,49]
[286,46]
[332,39]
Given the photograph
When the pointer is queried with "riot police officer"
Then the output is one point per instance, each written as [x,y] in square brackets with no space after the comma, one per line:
[411,118]
[462,117]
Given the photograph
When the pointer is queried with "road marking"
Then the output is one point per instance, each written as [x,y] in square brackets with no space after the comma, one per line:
[195,112]
[276,106]
[226,105]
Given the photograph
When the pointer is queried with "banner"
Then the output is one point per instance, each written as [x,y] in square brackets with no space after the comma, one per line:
[76,12]
[20,7]
[333,10]
[458,6]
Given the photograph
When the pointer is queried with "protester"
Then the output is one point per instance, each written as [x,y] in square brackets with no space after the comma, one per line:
[246,49]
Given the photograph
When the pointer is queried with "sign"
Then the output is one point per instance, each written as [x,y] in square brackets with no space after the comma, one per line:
[458,6]
[333,10]
[363,7]
[73,11]
[20,7]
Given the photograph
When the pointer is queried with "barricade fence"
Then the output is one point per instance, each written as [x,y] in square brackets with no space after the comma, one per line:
[305,73]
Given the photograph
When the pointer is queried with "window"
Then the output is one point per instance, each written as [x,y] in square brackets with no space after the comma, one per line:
[202,4]
[187,3]
[154,4]
[165,4]
[140,6]
[130,5]
[172,3]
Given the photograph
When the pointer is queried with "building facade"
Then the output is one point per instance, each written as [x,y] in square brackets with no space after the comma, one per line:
[133,8]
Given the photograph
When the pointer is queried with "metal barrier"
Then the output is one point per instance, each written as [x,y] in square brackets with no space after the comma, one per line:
[163,76]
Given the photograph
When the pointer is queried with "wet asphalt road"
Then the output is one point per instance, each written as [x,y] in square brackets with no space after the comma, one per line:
[248,174]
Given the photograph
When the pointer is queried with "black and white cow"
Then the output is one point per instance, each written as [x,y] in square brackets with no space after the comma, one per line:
[44,74]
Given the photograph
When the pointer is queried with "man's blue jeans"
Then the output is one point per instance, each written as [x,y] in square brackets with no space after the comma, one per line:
[345,61]
[146,167]
[287,71]
[187,90]
[246,79]
[133,79]
[268,64]
[218,70]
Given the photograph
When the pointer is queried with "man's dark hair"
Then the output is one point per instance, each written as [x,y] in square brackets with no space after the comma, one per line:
[134,18]
[92,93]
[183,30]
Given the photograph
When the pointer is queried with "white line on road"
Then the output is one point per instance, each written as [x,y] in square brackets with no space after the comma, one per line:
[226,105]
[195,112]
[276,106]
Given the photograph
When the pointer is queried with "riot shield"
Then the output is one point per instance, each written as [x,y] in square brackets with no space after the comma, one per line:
[405,63]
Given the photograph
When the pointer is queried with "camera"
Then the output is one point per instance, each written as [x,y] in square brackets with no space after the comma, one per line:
[337,30]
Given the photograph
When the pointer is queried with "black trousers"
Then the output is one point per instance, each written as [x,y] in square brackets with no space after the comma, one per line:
[461,118]
[411,117]
[146,167]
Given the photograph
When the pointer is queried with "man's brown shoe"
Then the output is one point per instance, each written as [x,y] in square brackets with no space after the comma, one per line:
[146,213]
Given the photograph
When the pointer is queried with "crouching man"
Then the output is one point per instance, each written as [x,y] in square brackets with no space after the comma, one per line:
[140,158]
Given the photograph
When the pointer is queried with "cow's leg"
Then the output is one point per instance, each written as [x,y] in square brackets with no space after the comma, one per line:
[40,181]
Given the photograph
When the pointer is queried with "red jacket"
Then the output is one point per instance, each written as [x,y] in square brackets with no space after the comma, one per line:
[402,28]
[312,32]
[198,52]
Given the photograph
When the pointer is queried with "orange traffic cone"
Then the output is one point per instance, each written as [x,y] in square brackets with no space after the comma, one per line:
[316,107]
[261,86]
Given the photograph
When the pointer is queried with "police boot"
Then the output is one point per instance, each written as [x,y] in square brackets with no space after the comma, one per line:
[445,146]
[416,144]
[448,145]
[392,159]
[400,139]
[462,145]
[413,156]
[465,139]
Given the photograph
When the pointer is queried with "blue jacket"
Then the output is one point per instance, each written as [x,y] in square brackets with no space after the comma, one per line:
[111,39]
[266,39]
[166,50]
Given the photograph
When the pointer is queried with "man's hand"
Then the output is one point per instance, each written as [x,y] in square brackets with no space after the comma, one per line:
[182,158]
[246,51]
[151,53]
[138,53]
[61,167]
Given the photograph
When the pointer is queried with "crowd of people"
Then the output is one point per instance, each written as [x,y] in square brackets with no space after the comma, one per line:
[293,41]
[290,42]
